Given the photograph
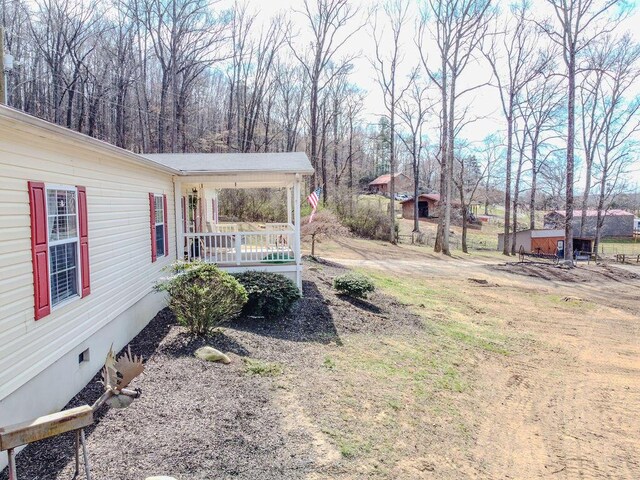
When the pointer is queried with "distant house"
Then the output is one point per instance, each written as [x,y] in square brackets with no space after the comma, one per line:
[617,223]
[402,183]
[427,206]
[636,225]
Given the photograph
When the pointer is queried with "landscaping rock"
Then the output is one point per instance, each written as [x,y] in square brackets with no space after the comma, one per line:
[119,401]
[210,354]
[160,478]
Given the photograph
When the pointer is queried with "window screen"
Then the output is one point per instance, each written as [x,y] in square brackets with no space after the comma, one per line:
[159,220]
[62,224]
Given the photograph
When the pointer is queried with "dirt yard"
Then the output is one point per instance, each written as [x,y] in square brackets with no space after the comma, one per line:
[564,399]
[463,367]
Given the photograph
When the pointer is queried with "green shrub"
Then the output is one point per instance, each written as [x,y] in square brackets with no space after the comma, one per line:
[202,296]
[353,285]
[269,294]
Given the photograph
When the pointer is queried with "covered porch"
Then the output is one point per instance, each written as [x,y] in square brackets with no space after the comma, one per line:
[203,234]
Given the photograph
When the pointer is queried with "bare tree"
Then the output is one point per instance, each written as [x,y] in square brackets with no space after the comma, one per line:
[540,108]
[468,177]
[413,112]
[386,65]
[186,36]
[619,107]
[491,158]
[515,60]
[291,87]
[327,20]
[253,59]
[576,27]
[459,27]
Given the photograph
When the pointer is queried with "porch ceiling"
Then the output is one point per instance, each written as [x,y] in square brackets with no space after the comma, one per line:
[242,181]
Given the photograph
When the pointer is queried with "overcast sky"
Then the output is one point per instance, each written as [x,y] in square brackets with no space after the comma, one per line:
[484,102]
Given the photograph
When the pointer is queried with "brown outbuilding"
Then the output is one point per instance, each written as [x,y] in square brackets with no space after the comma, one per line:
[402,183]
[427,206]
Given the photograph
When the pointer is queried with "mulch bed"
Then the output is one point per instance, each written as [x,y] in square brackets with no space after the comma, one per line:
[201,420]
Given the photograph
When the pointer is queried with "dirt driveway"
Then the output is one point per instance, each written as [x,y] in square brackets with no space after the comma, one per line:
[566,404]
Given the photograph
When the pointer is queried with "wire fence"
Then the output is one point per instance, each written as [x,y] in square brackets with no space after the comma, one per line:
[428,239]
[609,249]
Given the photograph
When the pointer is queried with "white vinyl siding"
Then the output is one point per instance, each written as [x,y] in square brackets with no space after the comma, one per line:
[118,223]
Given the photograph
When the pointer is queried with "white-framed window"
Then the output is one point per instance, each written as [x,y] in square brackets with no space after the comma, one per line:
[63,240]
[158,207]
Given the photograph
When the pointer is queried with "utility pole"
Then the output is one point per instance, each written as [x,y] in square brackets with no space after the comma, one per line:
[3,75]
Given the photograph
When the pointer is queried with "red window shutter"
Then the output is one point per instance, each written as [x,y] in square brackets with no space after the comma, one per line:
[39,249]
[166,227]
[84,240]
[152,205]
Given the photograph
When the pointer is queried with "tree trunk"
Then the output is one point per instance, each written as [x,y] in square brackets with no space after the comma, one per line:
[350,180]
[323,155]
[336,179]
[534,184]
[437,247]
[416,187]
[464,227]
[163,112]
[392,166]
[585,196]
[571,130]
[449,166]
[516,195]
[507,184]
[313,130]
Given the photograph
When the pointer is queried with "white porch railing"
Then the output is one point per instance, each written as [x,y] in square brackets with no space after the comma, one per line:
[241,248]
[280,227]
[222,227]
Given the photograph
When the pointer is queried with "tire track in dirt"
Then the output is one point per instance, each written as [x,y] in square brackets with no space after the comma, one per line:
[574,415]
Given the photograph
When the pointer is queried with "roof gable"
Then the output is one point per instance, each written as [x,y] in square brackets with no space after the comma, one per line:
[386,178]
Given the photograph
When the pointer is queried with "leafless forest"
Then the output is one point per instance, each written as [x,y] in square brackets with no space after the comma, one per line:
[207,76]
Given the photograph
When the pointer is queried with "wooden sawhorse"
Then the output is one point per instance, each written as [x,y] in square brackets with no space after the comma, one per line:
[74,419]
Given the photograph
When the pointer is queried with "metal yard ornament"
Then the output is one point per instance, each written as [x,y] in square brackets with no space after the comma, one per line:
[117,374]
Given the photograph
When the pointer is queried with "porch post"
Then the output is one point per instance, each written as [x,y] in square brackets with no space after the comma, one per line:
[289,205]
[296,207]
[177,201]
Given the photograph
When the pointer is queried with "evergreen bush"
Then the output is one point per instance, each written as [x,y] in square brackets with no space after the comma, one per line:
[269,294]
[202,296]
[353,285]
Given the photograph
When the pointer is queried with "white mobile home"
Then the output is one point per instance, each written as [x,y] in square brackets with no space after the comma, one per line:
[87,229]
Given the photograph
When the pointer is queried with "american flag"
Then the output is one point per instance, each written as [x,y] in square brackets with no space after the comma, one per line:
[313,200]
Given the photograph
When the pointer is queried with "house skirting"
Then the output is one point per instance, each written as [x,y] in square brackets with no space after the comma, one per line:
[52,388]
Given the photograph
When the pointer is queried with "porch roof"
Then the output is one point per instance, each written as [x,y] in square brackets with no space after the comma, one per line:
[234,163]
